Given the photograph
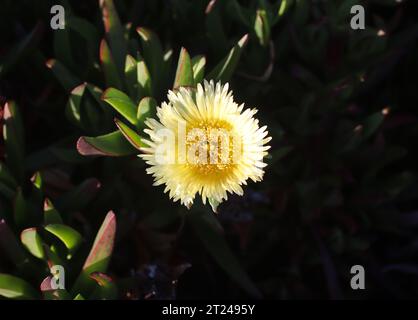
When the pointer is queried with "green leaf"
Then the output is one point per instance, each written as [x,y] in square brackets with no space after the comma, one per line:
[33,242]
[109,66]
[37,180]
[70,237]
[73,108]
[122,104]
[262,27]
[131,76]
[15,288]
[79,297]
[113,144]
[14,140]
[51,215]
[64,76]
[20,50]
[146,107]
[53,294]
[9,245]
[22,210]
[224,70]
[184,73]
[114,34]
[99,256]
[204,226]
[85,109]
[130,135]
[198,65]
[153,54]
[144,78]
[106,289]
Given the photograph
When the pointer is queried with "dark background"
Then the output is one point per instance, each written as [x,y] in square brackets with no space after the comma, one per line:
[341,185]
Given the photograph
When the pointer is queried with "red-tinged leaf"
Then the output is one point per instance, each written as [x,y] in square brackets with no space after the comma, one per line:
[14,139]
[51,215]
[113,144]
[106,287]
[49,293]
[130,135]
[122,104]
[184,73]
[103,245]
[99,256]
[224,70]
[153,54]
[114,34]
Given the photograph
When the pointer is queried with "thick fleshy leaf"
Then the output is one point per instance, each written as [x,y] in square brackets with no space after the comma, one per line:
[90,35]
[130,135]
[184,73]
[49,293]
[64,76]
[22,210]
[113,144]
[33,242]
[51,215]
[78,197]
[6,176]
[14,139]
[262,27]
[79,297]
[153,53]
[146,107]
[198,65]
[114,33]
[9,245]
[15,288]
[37,180]
[102,248]
[131,76]
[106,289]
[144,78]
[205,227]
[215,26]
[20,50]
[224,70]
[109,67]
[122,104]
[73,108]
[70,237]
[99,256]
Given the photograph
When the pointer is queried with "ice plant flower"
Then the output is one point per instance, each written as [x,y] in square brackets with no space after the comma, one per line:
[204,143]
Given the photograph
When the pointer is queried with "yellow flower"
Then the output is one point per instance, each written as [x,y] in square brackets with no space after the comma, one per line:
[204,143]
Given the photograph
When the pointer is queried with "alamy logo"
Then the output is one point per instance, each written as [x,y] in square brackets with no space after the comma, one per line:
[358,278]
[58,20]
[358,20]
[58,277]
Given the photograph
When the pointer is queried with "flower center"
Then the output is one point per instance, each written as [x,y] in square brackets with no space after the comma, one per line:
[212,148]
